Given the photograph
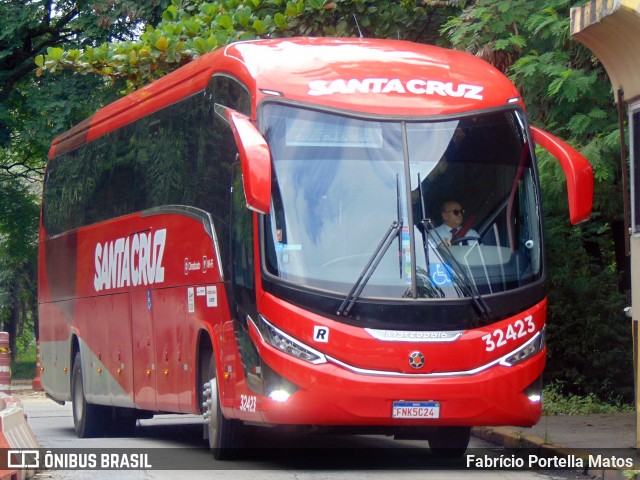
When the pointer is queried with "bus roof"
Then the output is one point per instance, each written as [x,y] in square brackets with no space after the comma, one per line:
[373,76]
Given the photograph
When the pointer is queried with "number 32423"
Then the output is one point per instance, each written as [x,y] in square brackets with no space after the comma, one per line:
[514,331]
[247,403]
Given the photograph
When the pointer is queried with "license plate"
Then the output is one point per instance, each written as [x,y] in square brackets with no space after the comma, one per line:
[416,410]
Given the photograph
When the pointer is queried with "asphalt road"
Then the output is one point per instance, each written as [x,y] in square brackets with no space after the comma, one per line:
[174,447]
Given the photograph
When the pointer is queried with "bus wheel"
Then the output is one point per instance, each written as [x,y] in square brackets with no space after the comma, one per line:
[89,420]
[223,433]
[450,442]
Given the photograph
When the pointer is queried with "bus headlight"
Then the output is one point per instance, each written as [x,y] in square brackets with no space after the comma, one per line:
[286,343]
[527,350]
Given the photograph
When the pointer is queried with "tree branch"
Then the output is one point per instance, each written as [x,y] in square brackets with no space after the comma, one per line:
[26,172]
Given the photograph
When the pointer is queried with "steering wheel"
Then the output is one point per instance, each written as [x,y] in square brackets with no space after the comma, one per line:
[455,241]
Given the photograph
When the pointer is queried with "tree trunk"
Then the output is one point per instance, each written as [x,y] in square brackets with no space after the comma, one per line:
[11,326]
[623,262]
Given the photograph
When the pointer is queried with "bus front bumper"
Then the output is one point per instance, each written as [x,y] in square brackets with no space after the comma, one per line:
[328,394]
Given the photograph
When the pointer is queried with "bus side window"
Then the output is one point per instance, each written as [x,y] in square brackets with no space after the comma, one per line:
[232,94]
[223,172]
[241,235]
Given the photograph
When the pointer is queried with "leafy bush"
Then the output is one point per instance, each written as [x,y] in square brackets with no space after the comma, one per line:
[590,349]
[555,403]
[24,367]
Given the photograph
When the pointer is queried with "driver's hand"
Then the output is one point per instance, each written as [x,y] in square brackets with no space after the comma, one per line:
[445,243]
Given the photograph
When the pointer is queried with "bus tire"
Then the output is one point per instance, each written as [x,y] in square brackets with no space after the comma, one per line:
[224,434]
[89,420]
[450,442]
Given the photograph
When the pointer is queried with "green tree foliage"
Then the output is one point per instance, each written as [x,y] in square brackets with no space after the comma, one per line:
[18,257]
[567,92]
[29,28]
[191,29]
[33,110]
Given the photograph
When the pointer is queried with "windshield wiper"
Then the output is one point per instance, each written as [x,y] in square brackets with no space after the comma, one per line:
[392,232]
[426,224]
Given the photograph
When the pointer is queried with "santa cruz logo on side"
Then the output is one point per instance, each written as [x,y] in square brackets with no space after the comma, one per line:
[415,86]
[130,261]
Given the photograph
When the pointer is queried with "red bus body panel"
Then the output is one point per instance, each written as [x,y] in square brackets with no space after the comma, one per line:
[140,325]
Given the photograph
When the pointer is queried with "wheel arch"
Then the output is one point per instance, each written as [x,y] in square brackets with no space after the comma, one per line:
[204,351]
[74,348]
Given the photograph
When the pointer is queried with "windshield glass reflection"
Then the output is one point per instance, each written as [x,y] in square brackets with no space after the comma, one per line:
[340,182]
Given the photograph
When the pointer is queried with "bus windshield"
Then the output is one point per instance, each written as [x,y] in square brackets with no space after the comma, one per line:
[342,183]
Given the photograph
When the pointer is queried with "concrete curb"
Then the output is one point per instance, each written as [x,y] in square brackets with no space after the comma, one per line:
[514,439]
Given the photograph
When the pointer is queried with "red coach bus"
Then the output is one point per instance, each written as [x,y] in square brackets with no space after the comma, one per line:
[256,238]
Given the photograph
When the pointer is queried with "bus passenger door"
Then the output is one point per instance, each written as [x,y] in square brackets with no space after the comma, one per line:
[243,286]
[142,332]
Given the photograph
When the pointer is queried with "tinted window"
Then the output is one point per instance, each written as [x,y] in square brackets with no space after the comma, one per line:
[180,155]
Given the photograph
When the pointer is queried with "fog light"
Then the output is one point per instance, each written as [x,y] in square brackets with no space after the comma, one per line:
[534,391]
[279,395]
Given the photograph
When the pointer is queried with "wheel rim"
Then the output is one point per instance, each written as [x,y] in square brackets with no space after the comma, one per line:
[78,398]
[211,395]
[214,408]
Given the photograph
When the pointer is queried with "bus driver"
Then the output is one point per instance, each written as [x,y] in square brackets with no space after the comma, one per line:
[451,227]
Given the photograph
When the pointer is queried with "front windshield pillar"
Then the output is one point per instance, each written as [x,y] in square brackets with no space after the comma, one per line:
[410,217]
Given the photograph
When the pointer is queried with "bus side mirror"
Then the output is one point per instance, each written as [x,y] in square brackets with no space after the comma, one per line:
[255,160]
[577,171]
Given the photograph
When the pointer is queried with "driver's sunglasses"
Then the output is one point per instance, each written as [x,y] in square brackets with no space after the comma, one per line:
[456,212]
